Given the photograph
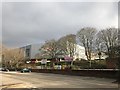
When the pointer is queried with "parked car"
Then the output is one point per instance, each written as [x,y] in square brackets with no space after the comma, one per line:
[25,70]
[4,69]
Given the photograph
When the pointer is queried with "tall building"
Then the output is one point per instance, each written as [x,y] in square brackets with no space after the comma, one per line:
[30,51]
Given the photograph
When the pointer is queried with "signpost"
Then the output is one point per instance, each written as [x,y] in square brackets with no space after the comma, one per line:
[44,61]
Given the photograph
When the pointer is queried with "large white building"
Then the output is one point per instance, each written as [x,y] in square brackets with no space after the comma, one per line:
[30,51]
[80,52]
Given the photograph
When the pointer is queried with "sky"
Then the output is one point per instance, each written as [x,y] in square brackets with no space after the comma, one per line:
[26,23]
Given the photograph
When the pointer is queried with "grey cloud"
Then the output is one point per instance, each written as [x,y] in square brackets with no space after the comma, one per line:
[26,23]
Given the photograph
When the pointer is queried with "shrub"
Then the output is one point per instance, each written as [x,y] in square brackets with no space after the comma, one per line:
[94,64]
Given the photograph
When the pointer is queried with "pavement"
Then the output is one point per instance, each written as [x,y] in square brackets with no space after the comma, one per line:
[46,80]
[8,82]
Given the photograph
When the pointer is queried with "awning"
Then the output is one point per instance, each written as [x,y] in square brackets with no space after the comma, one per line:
[68,58]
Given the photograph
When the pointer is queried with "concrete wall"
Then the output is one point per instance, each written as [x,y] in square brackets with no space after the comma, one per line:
[35,50]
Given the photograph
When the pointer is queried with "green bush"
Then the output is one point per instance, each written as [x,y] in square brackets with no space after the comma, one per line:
[38,64]
[98,65]
[86,64]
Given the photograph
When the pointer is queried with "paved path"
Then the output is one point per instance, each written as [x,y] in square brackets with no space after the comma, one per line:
[45,80]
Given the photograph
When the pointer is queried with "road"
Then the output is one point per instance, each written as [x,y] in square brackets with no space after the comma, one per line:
[46,80]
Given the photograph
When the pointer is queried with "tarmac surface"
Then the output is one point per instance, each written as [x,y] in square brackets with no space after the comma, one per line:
[46,80]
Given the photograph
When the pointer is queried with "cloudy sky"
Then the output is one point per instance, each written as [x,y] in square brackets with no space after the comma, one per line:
[35,22]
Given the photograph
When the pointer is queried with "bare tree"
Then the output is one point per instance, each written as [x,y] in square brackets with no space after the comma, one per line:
[38,56]
[86,37]
[3,51]
[68,44]
[13,58]
[1,55]
[99,46]
[109,38]
[50,48]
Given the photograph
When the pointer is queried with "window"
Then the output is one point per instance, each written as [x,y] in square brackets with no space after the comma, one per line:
[27,52]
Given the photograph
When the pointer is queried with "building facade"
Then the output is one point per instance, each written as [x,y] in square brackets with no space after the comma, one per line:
[80,52]
[30,51]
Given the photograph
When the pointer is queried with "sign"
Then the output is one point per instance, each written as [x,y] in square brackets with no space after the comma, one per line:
[44,61]
[67,58]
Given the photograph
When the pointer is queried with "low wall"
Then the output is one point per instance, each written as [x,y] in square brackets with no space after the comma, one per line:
[84,72]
